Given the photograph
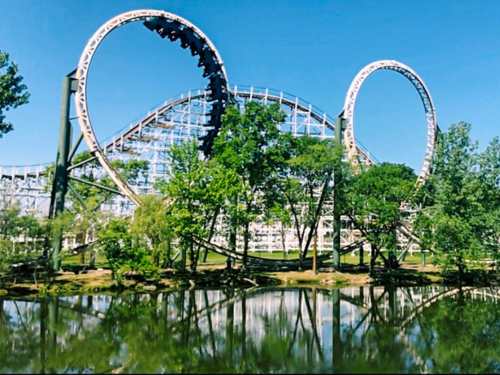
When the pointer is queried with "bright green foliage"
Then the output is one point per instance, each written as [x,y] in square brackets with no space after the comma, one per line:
[131,170]
[305,184]
[124,251]
[83,217]
[251,145]
[22,237]
[13,92]
[151,222]
[374,204]
[277,212]
[85,201]
[196,192]
[460,219]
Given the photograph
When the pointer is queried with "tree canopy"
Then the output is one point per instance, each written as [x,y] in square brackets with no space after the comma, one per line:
[375,197]
[460,217]
[13,92]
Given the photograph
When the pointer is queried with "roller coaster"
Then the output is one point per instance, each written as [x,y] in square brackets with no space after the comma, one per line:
[195,115]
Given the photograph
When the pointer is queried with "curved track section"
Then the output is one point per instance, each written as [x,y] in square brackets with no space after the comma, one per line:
[274,264]
[165,24]
[425,96]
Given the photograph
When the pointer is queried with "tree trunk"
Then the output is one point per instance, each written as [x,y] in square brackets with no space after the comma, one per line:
[232,235]
[233,231]
[315,254]
[192,257]
[461,270]
[317,214]
[361,255]
[283,242]
[183,257]
[92,259]
[211,233]
[168,254]
[373,257]
[246,238]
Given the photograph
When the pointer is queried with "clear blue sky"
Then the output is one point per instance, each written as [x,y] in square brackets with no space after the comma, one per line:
[308,48]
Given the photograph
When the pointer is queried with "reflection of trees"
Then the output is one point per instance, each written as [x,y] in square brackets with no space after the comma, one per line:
[15,327]
[297,330]
[464,337]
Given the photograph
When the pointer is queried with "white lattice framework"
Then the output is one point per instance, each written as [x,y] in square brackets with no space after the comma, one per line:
[25,186]
[173,122]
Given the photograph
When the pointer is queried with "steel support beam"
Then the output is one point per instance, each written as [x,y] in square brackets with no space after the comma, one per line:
[337,178]
[95,184]
[75,149]
[60,182]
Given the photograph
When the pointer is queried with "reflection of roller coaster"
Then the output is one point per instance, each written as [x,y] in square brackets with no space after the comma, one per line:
[333,324]
[195,115]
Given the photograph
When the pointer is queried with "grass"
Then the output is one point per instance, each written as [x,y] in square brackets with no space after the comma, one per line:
[217,259]
[75,260]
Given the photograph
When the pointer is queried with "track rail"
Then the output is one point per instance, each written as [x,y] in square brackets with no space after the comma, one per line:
[165,24]
[275,264]
[423,92]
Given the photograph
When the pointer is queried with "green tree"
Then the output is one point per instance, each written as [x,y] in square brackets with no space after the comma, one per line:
[250,144]
[151,222]
[125,251]
[195,192]
[85,218]
[305,184]
[278,212]
[9,218]
[460,219]
[13,92]
[375,197]
[22,236]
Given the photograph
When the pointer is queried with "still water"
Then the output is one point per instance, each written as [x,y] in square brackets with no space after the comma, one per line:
[362,329]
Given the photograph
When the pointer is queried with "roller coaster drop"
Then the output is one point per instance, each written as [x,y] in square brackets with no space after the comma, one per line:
[216,97]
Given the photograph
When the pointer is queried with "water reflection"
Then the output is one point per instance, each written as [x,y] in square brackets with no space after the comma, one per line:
[366,329]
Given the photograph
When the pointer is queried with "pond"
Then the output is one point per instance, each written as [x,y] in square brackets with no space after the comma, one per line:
[360,329]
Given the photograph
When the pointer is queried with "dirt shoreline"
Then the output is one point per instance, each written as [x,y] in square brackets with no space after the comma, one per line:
[81,282]
[100,280]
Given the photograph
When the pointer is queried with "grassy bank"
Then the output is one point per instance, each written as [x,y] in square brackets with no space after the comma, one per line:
[79,279]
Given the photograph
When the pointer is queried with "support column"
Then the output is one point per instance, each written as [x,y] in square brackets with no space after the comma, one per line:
[361,255]
[337,177]
[60,181]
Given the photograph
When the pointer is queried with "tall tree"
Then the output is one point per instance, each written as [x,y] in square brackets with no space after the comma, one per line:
[375,199]
[460,219]
[305,183]
[13,92]
[150,221]
[250,144]
[195,192]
